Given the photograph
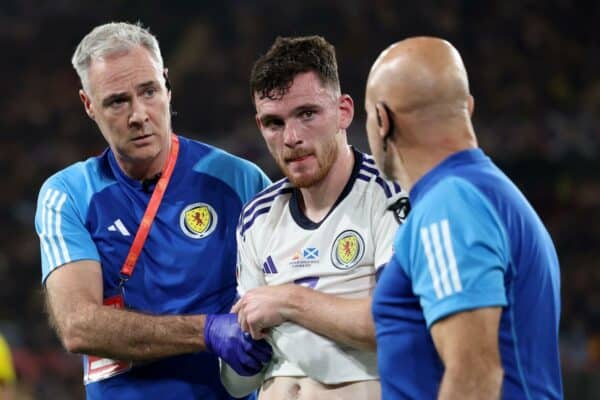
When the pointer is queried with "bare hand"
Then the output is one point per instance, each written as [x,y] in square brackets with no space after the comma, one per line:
[262,308]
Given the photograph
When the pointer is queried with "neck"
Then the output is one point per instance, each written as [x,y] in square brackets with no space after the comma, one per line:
[147,168]
[138,171]
[318,199]
[424,155]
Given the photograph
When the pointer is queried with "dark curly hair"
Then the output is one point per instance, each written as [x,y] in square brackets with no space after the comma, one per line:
[273,73]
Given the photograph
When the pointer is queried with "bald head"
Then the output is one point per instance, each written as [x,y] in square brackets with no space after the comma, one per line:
[418,108]
[419,74]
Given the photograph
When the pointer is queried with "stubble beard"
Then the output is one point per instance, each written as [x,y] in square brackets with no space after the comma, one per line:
[324,164]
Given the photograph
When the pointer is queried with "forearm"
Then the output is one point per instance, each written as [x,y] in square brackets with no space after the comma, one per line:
[467,343]
[346,321]
[466,383]
[123,334]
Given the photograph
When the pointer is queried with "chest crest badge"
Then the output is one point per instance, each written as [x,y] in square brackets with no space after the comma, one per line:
[198,220]
[347,250]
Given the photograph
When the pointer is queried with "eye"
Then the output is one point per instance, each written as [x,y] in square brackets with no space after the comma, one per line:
[149,92]
[273,123]
[307,114]
[117,103]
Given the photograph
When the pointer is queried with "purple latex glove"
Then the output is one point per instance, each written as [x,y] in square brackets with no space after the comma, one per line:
[224,337]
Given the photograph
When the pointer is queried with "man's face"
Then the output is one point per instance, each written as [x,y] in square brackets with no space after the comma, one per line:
[303,128]
[129,102]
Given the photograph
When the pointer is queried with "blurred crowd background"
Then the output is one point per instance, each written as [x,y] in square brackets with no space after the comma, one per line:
[533,68]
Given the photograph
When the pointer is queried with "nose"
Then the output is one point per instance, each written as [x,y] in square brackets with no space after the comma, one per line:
[138,114]
[290,135]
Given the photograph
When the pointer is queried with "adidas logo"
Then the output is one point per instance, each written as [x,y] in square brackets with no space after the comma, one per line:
[118,226]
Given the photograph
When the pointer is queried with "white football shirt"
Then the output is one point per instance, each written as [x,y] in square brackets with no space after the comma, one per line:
[278,244]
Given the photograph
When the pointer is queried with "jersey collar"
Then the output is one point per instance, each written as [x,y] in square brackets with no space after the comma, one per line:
[302,220]
[443,169]
[138,185]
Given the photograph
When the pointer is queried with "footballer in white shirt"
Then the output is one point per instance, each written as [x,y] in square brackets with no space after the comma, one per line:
[310,245]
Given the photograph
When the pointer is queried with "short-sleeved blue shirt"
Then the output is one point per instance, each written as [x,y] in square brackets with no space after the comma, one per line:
[471,240]
[92,210]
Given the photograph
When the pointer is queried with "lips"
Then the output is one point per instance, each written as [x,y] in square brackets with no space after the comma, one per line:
[297,157]
[142,137]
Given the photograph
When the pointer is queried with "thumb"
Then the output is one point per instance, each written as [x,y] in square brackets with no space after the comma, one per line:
[236,307]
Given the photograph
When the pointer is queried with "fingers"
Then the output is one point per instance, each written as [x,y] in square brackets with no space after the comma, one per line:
[223,336]
[260,349]
[253,356]
[239,309]
[256,327]
[256,313]
[248,365]
[236,307]
[263,351]
[256,331]
[245,321]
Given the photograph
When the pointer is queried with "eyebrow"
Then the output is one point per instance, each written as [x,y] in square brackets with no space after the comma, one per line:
[146,85]
[308,106]
[115,96]
[124,95]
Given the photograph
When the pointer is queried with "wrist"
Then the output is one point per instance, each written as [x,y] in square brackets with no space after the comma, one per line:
[293,302]
[206,321]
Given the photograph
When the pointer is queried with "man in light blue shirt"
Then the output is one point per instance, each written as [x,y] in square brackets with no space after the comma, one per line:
[469,305]
[158,331]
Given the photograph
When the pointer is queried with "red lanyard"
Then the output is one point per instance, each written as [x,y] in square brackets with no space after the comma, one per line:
[150,213]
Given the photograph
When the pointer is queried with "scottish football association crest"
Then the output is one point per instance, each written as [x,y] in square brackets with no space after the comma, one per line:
[347,250]
[198,220]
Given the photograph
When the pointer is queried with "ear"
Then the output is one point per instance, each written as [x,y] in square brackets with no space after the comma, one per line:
[383,120]
[470,105]
[167,82]
[258,123]
[346,108]
[256,119]
[87,103]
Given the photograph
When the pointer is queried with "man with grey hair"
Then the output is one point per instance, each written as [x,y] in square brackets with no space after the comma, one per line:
[138,244]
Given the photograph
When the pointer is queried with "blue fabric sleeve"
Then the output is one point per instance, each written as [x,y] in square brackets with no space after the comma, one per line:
[459,251]
[60,225]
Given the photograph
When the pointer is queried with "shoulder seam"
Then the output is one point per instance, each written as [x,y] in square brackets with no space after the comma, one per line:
[263,193]
[261,204]
[369,172]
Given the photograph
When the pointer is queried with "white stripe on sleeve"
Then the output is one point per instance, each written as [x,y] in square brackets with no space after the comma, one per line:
[439,255]
[49,227]
[43,233]
[452,266]
[431,262]
[59,235]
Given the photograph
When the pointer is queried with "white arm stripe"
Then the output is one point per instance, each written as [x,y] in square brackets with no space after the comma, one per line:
[51,228]
[435,235]
[49,225]
[444,259]
[431,263]
[43,233]
[450,255]
[59,235]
